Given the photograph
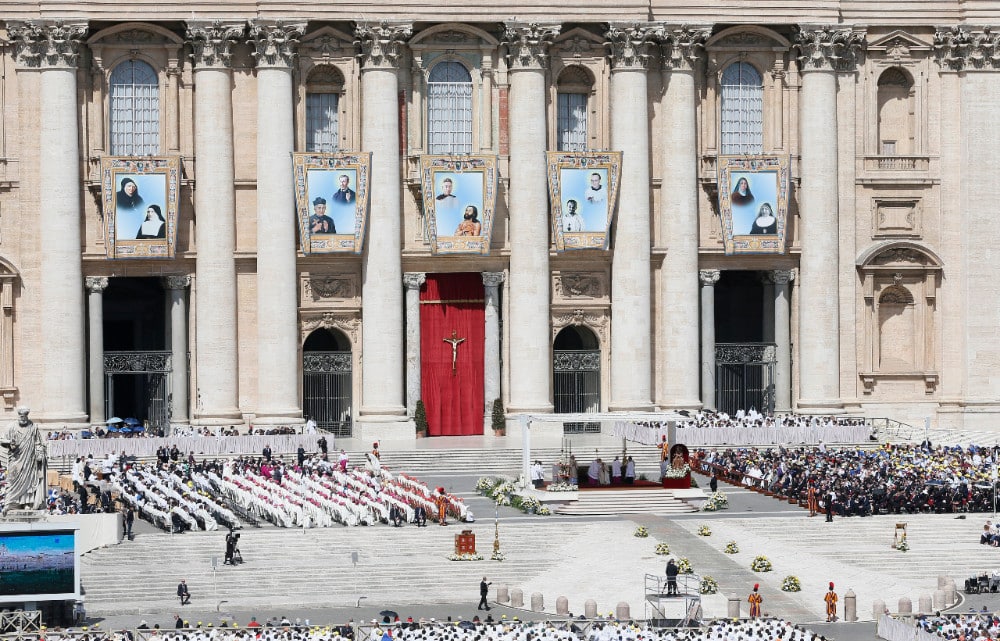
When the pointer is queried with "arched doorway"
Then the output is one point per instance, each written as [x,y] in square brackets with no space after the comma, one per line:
[327,380]
[576,375]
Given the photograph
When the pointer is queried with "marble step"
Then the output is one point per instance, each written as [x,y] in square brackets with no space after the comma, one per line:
[638,501]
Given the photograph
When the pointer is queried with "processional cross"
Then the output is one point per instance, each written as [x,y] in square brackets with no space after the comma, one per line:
[454,341]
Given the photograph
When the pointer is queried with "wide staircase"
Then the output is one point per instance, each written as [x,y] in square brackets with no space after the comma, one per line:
[625,501]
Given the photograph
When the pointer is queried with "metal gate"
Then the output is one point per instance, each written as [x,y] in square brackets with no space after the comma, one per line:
[136,385]
[744,377]
[576,384]
[327,390]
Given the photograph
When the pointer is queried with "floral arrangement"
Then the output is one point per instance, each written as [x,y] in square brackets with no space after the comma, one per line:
[902,545]
[716,501]
[677,472]
[760,564]
[465,557]
[662,549]
[486,484]
[708,585]
[684,566]
[543,511]
[562,487]
[527,504]
[498,556]
[641,532]
[704,530]
[732,548]
[791,584]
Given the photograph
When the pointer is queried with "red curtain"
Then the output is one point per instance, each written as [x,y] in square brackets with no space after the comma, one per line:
[453,400]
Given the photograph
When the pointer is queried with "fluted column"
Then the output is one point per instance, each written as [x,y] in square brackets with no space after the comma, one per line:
[679,356]
[95,309]
[491,354]
[631,341]
[783,339]
[177,286]
[822,51]
[55,48]
[531,348]
[708,278]
[382,296]
[215,201]
[278,376]
[413,281]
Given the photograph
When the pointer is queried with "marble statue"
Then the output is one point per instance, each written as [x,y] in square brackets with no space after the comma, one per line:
[26,465]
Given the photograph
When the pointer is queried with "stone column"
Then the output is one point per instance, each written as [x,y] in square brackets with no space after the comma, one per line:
[412,281]
[95,308]
[631,339]
[278,365]
[215,202]
[177,286]
[486,113]
[783,339]
[767,299]
[708,278]
[382,297]
[822,51]
[530,319]
[491,354]
[679,356]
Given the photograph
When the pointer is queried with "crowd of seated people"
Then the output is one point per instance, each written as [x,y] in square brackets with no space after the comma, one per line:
[893,479]
[973,626]
[753,418]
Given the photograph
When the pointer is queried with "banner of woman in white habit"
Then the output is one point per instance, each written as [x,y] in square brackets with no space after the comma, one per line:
[26,464]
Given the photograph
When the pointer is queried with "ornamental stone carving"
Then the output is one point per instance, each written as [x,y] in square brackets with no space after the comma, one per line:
[212,42]
[177,282]
[329,287]
[381,44]
[493,279]
[582,285]
[596,320]
[900,255]
[274,45]
[960,49]
[349,323]
[709,276]
[46,45]
[783,276]
[414,280]
[96,284]
[630,46]
[528,44]
[826,48]
[681,46]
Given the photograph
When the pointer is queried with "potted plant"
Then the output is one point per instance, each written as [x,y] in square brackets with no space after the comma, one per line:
[420,419]
[499,420]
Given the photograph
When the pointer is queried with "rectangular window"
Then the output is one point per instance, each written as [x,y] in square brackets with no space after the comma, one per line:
[449,117]
[742,119]
[571,125]
[135,120]
[888,147]
[322,122]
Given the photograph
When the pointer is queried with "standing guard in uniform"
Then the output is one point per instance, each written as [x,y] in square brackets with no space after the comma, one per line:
[755,600]
[831,604]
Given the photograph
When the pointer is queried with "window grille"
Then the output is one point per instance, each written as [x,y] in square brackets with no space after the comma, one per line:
[571,125]
[134,110]
[322,122]
[742,110]
[449,109]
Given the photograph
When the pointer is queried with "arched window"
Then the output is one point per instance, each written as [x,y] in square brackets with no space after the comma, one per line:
[895,113]
[135,110]
[449,109]
[576,375]
[323,89]
[574,86]
[328,381]
[742,110]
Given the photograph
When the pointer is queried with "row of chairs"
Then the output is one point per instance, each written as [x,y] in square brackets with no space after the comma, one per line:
[982,583]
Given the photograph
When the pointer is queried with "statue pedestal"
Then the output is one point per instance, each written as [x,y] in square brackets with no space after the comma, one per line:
[23,516]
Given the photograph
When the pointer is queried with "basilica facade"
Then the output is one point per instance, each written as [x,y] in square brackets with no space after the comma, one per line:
[880,299]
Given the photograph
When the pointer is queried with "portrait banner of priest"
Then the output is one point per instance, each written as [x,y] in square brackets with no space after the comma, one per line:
[583,191]
[139,200]
[331,201]
[753,203]
[459,194]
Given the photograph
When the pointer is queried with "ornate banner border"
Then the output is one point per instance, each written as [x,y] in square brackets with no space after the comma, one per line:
[737,238]
[162,173]
[587,162]
[433,169]
[304,163]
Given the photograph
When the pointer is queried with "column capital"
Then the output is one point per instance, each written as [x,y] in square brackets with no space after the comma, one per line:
[47,44]
[528,44]
[493,279]
[829,48]
[177,282]
[709,277]
[630,45]
[681,46]
[95,284]
[381,43]
[783,276]
[959,49]
[274,43]
[212,43]
[413,280]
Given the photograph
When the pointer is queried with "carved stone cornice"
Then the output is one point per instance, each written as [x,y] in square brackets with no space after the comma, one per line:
[46,45]
[413,280]
[177,282]
[96,284]
[275,44]
[682,46]
[827,48]
[959,49]
[709,276]
[381,44]
[630,46]
[493,279]
[212,43]
[528,44]
[595,319]
[347,322]
[782,276]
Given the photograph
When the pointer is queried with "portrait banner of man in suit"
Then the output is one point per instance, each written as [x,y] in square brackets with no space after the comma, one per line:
[459,194]
[583,190]
[331,195]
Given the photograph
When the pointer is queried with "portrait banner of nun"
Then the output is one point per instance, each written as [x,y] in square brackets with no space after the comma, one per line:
[331,201]
[753,203]
[583,191]
[459,193]
[139,200]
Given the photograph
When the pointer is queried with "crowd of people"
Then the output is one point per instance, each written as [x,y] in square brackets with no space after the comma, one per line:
[961,627]
[752,418]
[893,479]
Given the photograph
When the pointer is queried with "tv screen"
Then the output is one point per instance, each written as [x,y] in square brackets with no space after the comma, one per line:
[37,564]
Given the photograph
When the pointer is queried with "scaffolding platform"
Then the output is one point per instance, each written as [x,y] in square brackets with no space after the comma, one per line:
[680,610]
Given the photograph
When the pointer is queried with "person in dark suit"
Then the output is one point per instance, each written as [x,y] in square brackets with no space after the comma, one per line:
[301,454]
[484,591]
[420,516]
[267,453]
[672,572]
[128,521]
[319,222]
[345,195]
[714,483]
[183,593]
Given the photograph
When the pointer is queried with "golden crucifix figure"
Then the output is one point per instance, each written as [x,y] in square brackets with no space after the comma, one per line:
[455,341]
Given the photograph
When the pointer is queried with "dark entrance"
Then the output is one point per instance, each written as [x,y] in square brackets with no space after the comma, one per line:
[744,355]
[576,376]
[327,381]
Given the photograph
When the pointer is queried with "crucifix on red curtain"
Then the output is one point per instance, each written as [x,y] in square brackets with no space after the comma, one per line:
[455,341]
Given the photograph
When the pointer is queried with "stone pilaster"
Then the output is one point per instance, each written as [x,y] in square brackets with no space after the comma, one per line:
[708,279]
[179,381]
[491,354]
[413,281]
[530,370]
[783,339]
[274,46]
[382,297]
[215,202]
[679,357]
[95,309]
[54,49]
[631,47]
